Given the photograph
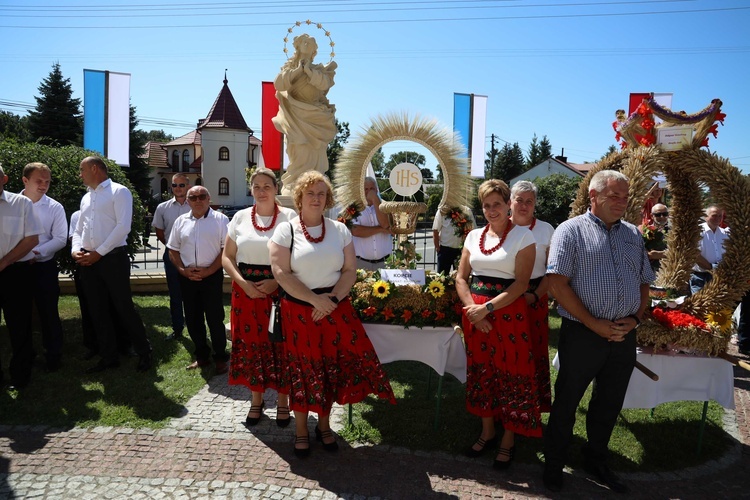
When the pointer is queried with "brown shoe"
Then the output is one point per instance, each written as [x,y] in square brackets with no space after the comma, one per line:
[196,364]
[221,368]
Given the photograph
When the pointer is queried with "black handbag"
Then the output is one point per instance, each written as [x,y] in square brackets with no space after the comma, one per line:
[275,334]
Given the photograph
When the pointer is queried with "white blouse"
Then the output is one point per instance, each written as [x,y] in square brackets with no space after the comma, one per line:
[252,245]
[502,262]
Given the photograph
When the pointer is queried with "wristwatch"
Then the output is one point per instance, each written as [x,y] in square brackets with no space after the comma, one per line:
[637,320]
[490,307]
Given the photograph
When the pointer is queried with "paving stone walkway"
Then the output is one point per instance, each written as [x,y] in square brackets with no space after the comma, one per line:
[208,453]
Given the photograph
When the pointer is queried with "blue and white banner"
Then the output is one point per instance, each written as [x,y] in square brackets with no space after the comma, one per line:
[470,121]
[106,114]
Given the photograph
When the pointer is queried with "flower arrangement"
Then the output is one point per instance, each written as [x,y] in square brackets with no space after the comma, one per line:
[670,327]
[434,304]
[347,216]
[405,256]
[461,224]
[653,237]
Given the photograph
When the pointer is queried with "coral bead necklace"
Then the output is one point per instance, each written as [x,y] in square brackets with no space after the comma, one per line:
[307,235]
[483,238]
[260,228]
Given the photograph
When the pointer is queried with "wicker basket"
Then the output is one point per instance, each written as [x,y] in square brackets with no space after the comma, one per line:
[403,215]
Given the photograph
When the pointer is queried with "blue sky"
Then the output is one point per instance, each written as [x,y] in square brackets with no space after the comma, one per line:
[558,68]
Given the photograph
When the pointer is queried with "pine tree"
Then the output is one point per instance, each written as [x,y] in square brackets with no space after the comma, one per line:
[538,152]
[509,163]
[57,117]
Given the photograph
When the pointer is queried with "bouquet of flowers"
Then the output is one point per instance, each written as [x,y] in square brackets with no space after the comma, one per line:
[653,237]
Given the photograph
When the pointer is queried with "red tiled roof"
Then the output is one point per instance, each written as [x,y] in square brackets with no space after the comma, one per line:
[583,167]
[224,113]
[196,165]
[155,155]
[192,137]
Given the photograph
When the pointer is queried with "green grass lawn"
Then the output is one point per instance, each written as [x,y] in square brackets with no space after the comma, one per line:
[122,397]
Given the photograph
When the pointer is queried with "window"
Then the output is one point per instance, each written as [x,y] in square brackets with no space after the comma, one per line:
[198,181]
[175,161]
[224,186]
[223,153]
[185,160]
[164,186]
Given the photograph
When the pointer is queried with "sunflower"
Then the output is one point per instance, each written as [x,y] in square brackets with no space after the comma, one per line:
[381,289]
[722,319]
[436,288]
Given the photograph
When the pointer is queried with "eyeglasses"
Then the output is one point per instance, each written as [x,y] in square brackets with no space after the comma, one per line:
[194,197]
[661,214]
[174,185]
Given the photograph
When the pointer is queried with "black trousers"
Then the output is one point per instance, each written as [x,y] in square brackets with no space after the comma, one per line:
[585,356]
[16,288]
[203,300]
[107,284]
[46,296]
[446,258]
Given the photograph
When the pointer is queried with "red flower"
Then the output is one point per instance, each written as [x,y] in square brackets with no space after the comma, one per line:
[352,210]
[714,130]
[647,124]
[370,311]
[720,117]
[406,316]
[704,144]
[439,315]
[672,319]
[643,109]
[388,313]
[426,313]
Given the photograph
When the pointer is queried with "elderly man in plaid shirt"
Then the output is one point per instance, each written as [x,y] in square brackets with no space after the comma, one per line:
[599,273]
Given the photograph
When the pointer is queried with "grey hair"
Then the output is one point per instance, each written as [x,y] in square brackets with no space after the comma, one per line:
[523,187]
[712,205]
[374,181]
[600,179]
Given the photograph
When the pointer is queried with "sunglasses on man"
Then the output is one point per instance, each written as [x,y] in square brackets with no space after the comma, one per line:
[661,214]
[182,185]
[194,197]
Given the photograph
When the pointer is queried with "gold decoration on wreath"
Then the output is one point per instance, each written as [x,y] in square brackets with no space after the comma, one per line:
[687,170]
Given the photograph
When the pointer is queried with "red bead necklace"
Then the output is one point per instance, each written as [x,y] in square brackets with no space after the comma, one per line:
[307,235]
[483,237]
[260,228]
[533,223]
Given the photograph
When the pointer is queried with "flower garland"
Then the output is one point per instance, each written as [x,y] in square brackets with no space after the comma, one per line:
[461,224]
[434,304]
[347,216]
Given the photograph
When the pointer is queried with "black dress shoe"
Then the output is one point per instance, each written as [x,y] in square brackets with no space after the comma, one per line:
[144,362]
[484,445]
[101,366]
[604,475]
[553,479]
[250,421]
[504,464]
[320,435]
[302,452]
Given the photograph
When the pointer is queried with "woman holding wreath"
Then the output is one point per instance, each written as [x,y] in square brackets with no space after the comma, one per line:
[522,204]
[493,274]
[255,361]
[329,356]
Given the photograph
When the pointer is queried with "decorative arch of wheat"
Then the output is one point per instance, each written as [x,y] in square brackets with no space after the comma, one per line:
[351,168]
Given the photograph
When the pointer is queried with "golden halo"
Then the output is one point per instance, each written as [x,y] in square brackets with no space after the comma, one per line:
[351,168]
[290,30]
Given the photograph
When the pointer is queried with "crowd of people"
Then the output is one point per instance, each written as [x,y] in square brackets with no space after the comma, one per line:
[298,267]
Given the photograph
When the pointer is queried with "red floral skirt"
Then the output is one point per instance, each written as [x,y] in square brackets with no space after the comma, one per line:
[501,372]
[255,362]
[539,321]
[331,360]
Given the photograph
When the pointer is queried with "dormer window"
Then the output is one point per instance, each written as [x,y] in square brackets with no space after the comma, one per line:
[223,153]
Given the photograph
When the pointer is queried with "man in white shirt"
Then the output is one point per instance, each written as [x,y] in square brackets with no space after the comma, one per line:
[371,231]
[164,217]
[100,247]
[711,246]
[19,235]
[195,247]
[447,242]
[44,271]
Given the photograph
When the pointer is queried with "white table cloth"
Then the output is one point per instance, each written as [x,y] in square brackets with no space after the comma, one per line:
[440,348]
[681,378]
